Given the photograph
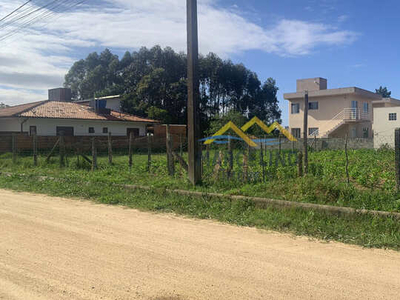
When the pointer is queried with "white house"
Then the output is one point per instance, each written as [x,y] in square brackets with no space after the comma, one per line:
[51,117]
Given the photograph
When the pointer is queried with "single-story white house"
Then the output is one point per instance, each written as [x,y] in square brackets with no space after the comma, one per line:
[58,115]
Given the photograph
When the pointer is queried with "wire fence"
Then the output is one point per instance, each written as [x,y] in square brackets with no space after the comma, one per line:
[362,162]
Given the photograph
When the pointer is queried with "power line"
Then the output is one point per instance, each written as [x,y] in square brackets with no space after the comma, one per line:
[49,14]
[14,11]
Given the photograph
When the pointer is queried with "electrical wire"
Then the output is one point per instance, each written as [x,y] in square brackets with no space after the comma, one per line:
[52,9]
[15,10]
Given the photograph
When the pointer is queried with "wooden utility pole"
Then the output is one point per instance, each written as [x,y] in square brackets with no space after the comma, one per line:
[305,133]
[194,160]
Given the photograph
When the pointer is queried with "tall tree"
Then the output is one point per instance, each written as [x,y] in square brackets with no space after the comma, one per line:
[153,83]
[383,91]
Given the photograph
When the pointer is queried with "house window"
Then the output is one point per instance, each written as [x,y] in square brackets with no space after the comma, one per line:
[366,108]
[65,131]
[32,130]
[313,131]
[91,129]
[296,132]
[105,129]
[392,116]
[312,105]
[365,132]
[295,108]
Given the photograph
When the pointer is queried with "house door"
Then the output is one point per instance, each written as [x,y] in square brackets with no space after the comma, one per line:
[354,110]
[135,131]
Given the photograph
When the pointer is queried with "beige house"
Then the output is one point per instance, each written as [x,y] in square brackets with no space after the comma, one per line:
[389,120]
[334,112]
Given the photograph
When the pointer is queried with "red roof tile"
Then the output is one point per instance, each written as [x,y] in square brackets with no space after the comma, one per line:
[66,110]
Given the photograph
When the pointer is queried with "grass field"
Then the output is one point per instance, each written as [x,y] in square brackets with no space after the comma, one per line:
[372,177]
[372,186]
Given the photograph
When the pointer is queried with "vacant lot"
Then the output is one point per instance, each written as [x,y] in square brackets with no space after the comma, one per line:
[371,173]
[53,248]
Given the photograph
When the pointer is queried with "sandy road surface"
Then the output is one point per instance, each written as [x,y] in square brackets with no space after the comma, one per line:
[52,248]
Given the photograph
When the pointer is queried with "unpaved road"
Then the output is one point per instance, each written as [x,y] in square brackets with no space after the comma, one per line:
[52,248]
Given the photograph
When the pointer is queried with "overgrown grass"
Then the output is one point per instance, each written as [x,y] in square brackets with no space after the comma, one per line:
[367,231]
[371,173]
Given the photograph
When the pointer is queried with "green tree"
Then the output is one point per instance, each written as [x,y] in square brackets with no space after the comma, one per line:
[218,121]
[383,91]
[153,81]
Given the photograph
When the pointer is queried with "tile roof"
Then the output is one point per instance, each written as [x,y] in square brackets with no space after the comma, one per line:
[18,109]
[67,110]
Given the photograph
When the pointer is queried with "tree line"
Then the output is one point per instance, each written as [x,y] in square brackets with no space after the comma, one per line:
[153,84]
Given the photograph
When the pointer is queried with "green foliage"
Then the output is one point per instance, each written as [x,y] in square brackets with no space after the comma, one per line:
[383,91]
[156,113]
[218,121]
[156,78]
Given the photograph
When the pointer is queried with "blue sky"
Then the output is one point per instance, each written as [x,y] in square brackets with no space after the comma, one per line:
[351,43]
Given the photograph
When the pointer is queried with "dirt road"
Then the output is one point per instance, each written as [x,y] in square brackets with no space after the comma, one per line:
[52,248]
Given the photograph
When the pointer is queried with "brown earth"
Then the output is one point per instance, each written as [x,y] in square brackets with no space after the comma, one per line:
[52,248]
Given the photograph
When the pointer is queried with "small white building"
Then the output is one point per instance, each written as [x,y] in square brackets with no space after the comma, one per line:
[386,120]
[51,117]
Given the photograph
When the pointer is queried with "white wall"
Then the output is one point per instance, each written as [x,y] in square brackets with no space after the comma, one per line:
[10,125]
[47,127]
[383,128]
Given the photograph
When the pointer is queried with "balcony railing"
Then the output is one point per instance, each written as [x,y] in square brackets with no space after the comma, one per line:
[355,114]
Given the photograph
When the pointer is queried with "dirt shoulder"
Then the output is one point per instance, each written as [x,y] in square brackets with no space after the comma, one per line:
[53,248]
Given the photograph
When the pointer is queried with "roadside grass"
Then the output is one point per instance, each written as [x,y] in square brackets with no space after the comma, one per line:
[363,230]
[371,172]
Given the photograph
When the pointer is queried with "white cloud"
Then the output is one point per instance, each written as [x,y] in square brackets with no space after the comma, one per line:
[343,18]
[39,60]
[20,96]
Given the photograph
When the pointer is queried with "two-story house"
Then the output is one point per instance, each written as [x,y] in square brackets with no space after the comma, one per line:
[332,112]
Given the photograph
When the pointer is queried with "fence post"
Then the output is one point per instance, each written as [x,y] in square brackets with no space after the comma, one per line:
[300,164]
[262,160]
[14,148]
[181,145]
[170,159]
[148,152]
[62,150]
[110,154]
[34,144]
[230,153]
[280,143]
[305,133]
[397,156]
[246,164]
[347,159]
[315,143]
[94,154]
[130,150]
